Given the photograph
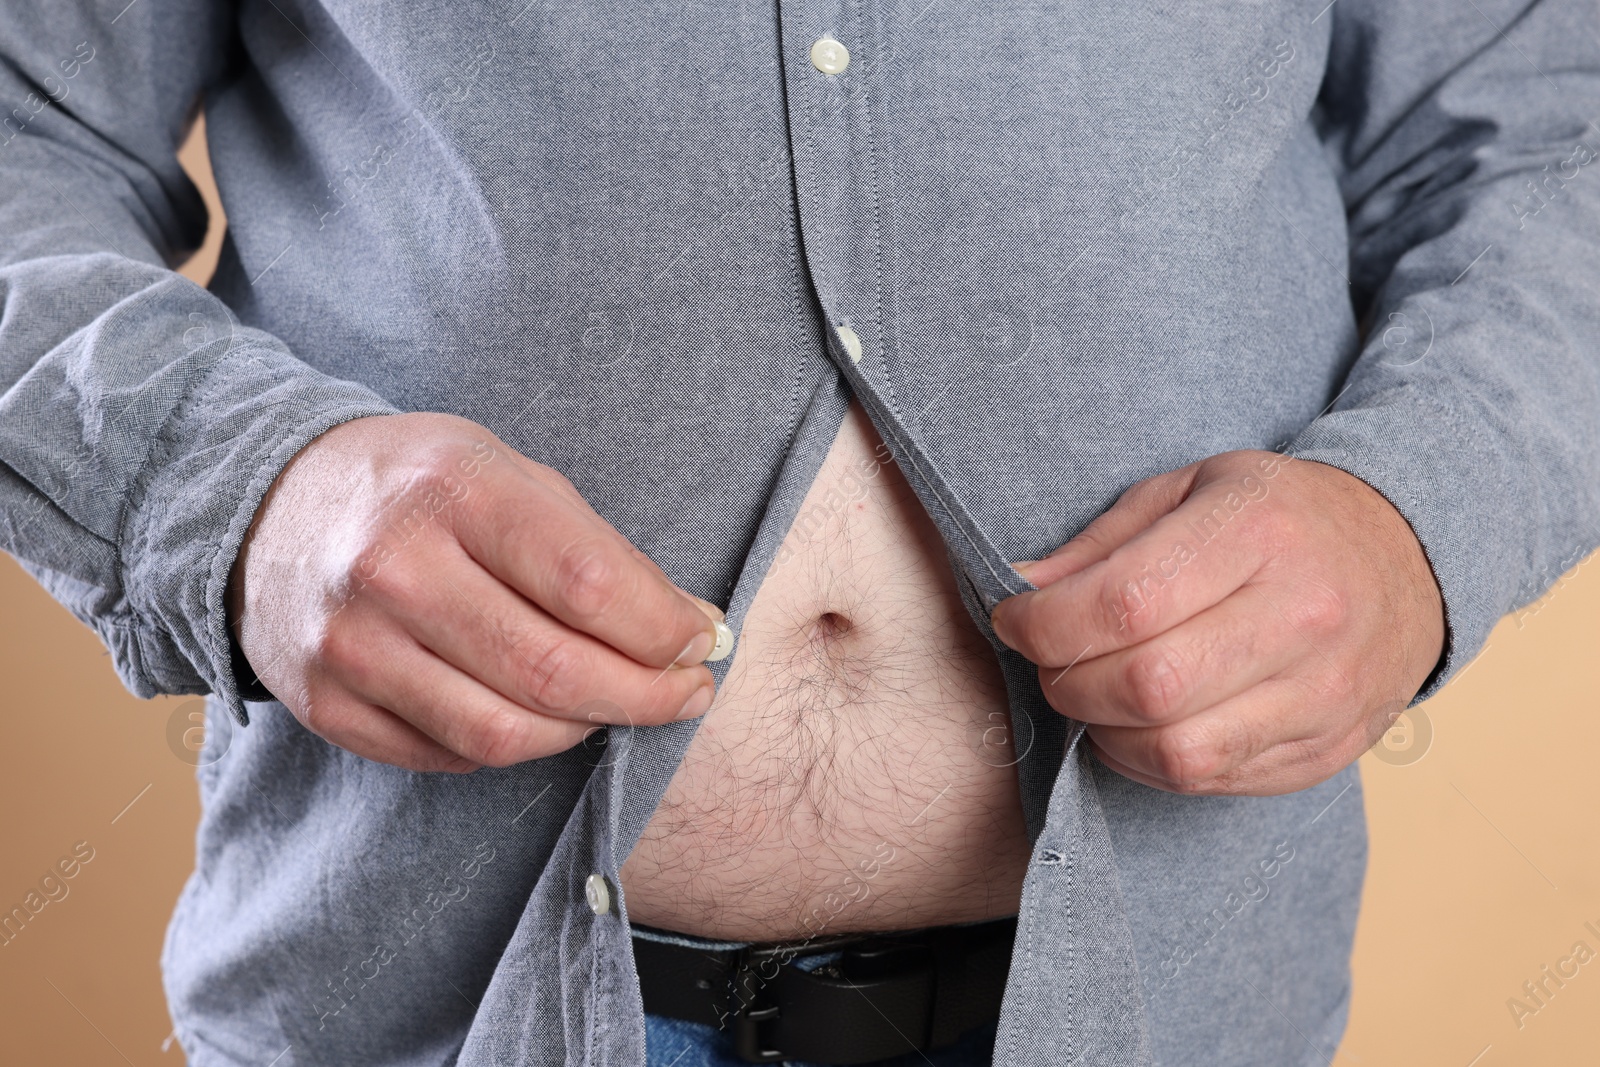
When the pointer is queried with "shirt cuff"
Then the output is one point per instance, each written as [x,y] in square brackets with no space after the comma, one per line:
[218,454]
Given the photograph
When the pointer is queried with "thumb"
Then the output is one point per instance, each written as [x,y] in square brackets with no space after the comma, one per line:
[711,611]
[1135,511]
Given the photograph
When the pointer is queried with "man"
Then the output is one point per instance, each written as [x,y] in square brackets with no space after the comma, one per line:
[1061,438]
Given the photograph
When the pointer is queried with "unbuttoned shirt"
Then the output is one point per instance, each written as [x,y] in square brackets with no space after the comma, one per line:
[1051,247]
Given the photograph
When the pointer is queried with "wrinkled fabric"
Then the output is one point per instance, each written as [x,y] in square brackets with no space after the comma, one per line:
[1079,244]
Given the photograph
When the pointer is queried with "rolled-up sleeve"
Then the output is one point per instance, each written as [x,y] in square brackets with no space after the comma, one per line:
[140,422]
[1469,158]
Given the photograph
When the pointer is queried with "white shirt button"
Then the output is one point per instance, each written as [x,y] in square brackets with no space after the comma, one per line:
[597,893]
[829,56]
[852,343]
[724,644]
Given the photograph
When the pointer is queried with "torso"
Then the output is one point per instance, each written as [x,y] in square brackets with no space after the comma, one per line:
[855,770]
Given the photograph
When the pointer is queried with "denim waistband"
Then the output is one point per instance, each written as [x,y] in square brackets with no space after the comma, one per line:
[673,937]
[805,961]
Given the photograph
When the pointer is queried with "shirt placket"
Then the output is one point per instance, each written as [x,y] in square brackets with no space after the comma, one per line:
[830,53]
[837,59]
[834,56]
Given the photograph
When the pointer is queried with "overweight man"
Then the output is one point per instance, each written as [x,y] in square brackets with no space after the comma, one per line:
[803,532]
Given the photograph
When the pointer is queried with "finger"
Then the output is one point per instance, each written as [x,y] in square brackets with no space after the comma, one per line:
[1206,752]
[560,483]
[1279,770]
[377,734]
[1140,505]
[582,572]
[459,713]
[1215,656]
[1293,766]
[1160,578]
[490,633]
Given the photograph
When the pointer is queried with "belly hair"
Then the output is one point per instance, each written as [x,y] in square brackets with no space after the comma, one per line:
[855,730]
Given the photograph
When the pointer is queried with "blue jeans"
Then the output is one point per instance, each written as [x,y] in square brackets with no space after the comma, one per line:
[676,1043]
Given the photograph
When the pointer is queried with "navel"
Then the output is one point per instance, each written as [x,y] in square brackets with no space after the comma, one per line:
[831,625]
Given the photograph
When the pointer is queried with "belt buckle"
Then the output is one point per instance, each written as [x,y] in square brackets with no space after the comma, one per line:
[749,1029]
[865,959]
[749,1041]
[757,968]
[881,956]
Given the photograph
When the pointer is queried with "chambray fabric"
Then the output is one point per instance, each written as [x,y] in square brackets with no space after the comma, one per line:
[1080,244]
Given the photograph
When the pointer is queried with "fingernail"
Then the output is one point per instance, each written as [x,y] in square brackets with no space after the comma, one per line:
[697,704]
[697,650]
[724,643]
[1022,565]
[997,622]
[712,611]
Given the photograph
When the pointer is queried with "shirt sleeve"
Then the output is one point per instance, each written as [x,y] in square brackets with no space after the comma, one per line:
[140,422]
[1466,148]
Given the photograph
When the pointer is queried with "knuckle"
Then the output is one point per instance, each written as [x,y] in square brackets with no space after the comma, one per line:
[312,711]
[1157,682]
[552,677]
[1328,760]
[434,763]
[340,652]
[1144,491]
[1320,758]
[1322,608]
[1125,608]
[556,479]
[432,757]
[392,581]
[436,458]
[322,711]
[1182,759]
[1335,689]
[492,739]
[1276,533]
[586,582]
[414,511]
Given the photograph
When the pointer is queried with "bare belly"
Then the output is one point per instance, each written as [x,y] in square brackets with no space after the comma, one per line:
[855,770]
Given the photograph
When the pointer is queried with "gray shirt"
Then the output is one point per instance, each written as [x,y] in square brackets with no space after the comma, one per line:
[1077,244]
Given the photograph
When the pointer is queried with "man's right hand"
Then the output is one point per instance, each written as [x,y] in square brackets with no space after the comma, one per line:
[415,591]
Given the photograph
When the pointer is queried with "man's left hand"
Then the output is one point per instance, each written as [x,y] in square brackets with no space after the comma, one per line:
[1249,624]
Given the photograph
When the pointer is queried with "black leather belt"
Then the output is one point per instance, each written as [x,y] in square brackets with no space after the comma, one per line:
[887,995]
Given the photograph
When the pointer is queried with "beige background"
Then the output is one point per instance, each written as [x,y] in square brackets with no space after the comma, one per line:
[1485,863]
